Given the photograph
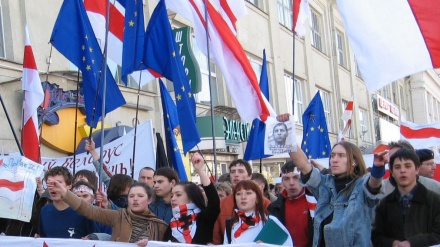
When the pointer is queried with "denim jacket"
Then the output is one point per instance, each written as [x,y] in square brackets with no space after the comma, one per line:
[352,213]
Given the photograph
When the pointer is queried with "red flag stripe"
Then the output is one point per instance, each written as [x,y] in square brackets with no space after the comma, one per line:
[234,46]
[14,186]
[116,25]
[295,5]
[29,60]
[31,143]
[426,13]
[229,13]
[349,106]
[420,133]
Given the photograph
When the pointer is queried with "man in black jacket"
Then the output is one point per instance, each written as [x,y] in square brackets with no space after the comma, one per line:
[410,215]
[292,207]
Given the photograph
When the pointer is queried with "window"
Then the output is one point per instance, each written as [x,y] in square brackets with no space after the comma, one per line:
[363,119]
[2,38]
[357,71]
[349,133]
[325,97]
[257,67]
[285,13]
[299,97]
[258,3]
[203,96]
[316,36]
[341,49]
[386,92]
[402,98]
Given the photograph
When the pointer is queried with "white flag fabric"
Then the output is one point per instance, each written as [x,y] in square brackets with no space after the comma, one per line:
[392,39]
[300,16]
[33,97]
[17,187]
[228,54]
[420,135]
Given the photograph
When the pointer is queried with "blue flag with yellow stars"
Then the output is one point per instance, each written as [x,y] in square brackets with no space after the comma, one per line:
[134,35]
[255,145]
[171,121]
[162,56]
[73,37]
[316,142]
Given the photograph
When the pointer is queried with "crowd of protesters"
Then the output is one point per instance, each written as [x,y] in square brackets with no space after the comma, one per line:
[344,205]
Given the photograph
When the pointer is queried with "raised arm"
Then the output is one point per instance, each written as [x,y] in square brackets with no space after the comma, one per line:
[198,163]
[299,158]
[378,169]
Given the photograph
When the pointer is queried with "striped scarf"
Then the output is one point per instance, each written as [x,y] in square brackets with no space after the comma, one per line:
[143,226]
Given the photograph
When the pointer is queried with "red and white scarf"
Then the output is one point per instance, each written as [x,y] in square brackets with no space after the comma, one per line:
[183,224]
[245,221]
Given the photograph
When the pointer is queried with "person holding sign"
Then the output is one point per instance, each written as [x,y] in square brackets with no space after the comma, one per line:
[346,197]
[251,221]
[193,221]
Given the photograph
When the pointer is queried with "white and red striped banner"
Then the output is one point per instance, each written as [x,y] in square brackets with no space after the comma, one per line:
[392,39]
[96,11]
[421,136]
[228,54]
[8,241]
[17,186]
[33,97]
[346,117]
[300,16]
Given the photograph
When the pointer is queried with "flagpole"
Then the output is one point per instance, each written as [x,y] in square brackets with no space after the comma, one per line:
[104,89]
[214,148]
[76,124]
[10,125]
[49,62]
[136,124]
[293,57]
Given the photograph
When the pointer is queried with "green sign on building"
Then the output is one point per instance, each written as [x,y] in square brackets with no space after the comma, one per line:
[192,69]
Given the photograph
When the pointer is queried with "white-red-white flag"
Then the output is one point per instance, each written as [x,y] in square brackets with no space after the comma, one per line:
[228,54]
[96,11]
[33,97]
[420,136]
[392,39]
[346,117]
[301,12]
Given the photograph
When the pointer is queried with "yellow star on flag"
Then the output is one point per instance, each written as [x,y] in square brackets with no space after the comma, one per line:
[324,153]
[190,94]
[131,23]
[305,142]
[84,59]
[168,115]
[312,129]
[179,97]
[87,37]
[183,88]
[174,53]
[310,156]
[88,67]
[90,49]
[83,47]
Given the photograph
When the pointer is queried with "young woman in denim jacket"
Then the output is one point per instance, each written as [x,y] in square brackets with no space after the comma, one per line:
[346,197]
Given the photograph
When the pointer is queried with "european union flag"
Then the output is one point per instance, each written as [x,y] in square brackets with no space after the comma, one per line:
[171,122]
[134,38]
[315,143]
[73,37]
[162,56]
[255,145]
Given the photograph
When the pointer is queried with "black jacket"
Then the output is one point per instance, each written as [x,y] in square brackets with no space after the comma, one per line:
[277,209]
[421,226]
[205,220]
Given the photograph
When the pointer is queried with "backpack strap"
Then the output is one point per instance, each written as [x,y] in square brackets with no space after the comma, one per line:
[229,229]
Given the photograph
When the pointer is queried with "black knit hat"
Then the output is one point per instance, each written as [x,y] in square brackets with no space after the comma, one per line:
[425,154]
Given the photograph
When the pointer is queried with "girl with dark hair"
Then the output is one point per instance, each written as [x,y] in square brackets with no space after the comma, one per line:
[134,224]
[250,215]
[193,219]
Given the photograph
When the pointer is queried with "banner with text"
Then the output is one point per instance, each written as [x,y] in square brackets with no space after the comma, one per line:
[7,241]
[117,155]
[17,186]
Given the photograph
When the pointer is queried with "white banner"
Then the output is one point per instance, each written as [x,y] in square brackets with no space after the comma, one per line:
[7,241]
[17,186]
[117,155]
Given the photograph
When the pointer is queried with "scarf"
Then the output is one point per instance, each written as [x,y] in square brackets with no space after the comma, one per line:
[144,226]
[246,221]
[183,224]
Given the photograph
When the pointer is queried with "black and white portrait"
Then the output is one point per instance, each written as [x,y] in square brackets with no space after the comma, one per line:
[279,137]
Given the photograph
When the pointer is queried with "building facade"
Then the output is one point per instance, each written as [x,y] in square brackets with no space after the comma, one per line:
[323,61]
